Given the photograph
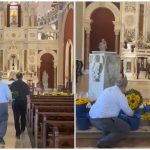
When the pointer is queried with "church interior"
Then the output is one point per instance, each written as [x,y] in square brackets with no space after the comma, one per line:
[118,31]
[36,39]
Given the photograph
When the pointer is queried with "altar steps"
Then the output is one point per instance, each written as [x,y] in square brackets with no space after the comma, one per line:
[138,138]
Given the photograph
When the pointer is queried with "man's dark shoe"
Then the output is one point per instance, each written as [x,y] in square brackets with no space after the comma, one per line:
[2,142]
[22,131]
[99,145]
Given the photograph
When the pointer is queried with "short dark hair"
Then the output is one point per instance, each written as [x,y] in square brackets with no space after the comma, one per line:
[19,75]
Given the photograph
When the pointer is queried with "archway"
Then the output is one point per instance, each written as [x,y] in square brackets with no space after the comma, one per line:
[102,27]
[47,67]
[88,21]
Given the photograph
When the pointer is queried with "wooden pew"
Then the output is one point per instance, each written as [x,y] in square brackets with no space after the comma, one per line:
[47,98]
[31,106]
[52,100]
[51,97]
[39,108]
[37,105]
[51,133]
[67,116]
[62,140]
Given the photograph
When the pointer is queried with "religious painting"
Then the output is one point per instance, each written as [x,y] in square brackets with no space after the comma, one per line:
[13,15]
[128,67]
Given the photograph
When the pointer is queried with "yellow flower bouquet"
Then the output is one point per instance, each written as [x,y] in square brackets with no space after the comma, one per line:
[134,98]
[146,116]
[82,101]
[81,104]
[148,103]
[55,93]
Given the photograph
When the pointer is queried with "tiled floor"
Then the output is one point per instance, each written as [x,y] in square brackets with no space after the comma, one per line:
[10,139]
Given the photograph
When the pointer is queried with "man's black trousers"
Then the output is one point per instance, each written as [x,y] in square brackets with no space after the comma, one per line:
[19,111]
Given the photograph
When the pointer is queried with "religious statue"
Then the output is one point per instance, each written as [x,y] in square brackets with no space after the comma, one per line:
[102,45]
[45,80]
[39,86]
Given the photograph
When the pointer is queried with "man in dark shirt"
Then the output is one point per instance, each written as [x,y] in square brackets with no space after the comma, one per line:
[19,105]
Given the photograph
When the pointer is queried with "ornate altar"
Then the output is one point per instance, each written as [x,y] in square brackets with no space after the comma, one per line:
[135,42]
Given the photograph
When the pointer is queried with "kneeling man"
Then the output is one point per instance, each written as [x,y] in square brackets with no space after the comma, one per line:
[104,114]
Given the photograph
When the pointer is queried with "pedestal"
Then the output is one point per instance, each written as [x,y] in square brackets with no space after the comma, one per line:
[104,70]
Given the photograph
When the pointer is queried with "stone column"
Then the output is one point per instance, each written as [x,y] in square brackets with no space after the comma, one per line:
[5,61]
[87,27]
[1,60]
[117,41]
[87,50]
[117,28]
[0,19]
[55,77]
[5,16]
[38,73]
[32,20]
[60,50]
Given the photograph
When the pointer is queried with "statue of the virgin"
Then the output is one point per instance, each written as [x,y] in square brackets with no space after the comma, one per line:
[45,79]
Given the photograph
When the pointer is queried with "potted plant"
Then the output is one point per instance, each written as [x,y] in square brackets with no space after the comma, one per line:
[82,114]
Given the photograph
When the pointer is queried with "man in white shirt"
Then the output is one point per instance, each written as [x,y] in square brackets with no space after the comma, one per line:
[104,114]
[5,97]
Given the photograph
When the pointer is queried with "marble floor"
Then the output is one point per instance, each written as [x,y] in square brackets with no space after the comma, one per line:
[142,143]
[135,139]
[10,139]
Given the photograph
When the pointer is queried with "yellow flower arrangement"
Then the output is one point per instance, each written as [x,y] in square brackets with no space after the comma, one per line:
[82,101]
[55,93]
[148,103]
[134,98]
[146,116]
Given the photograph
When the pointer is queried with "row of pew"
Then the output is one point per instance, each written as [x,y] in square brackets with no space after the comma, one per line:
[50,121]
